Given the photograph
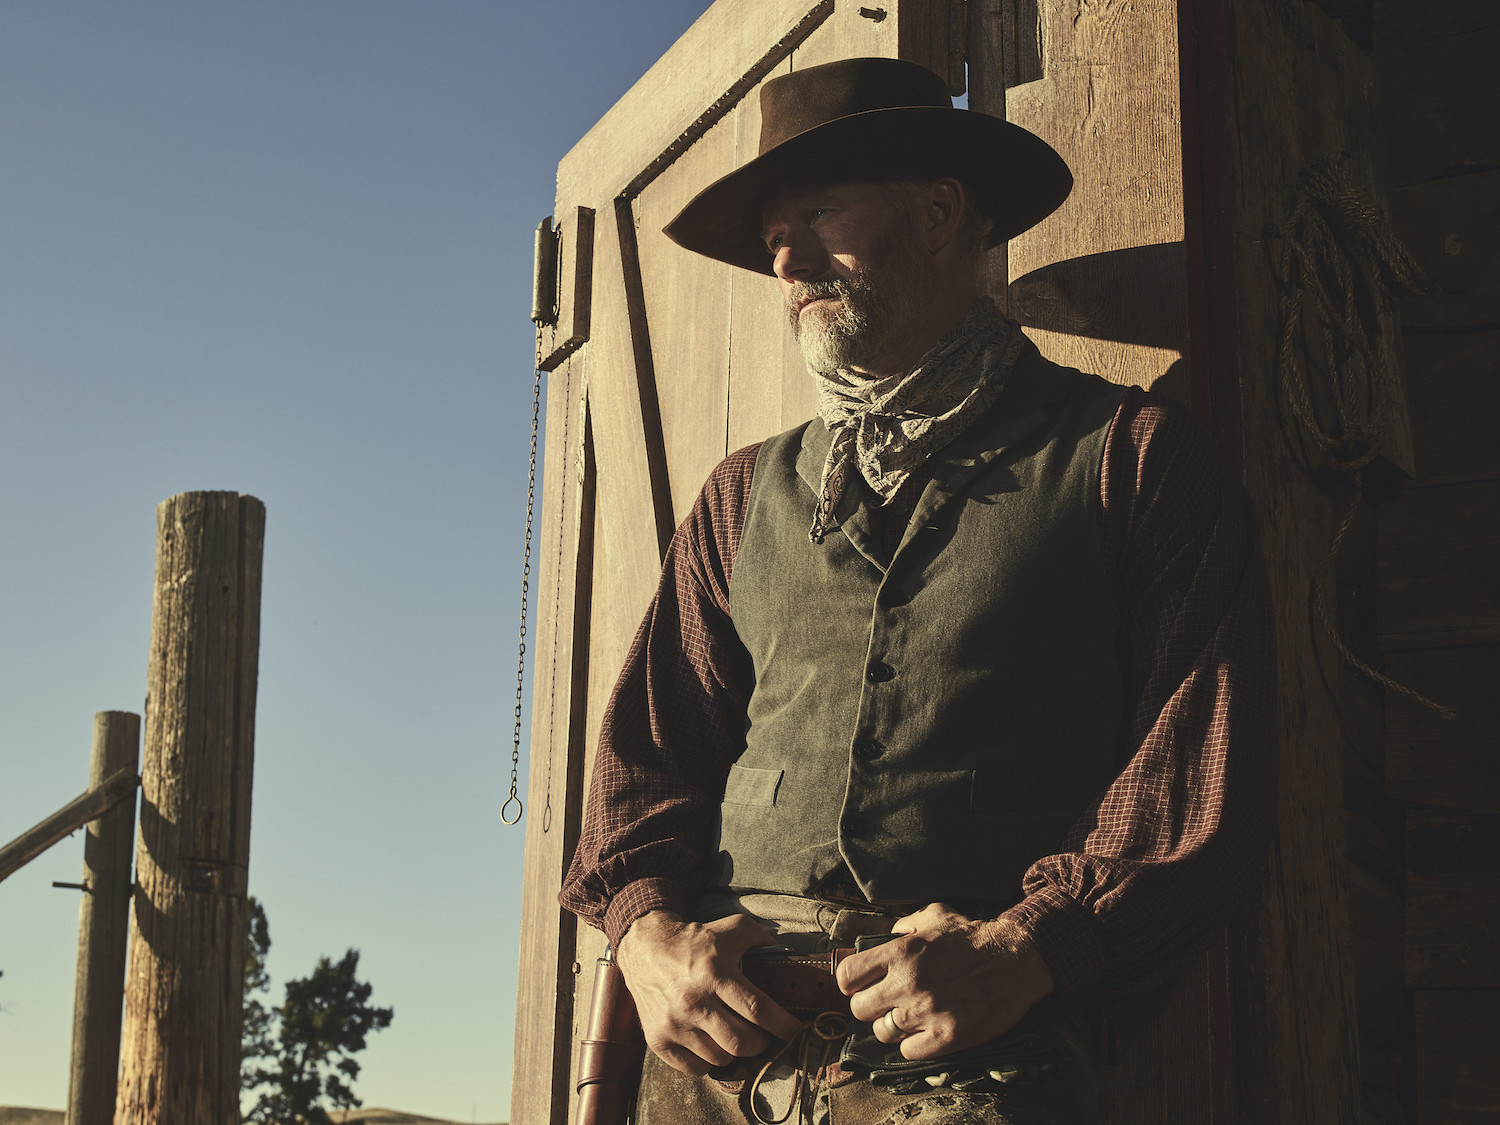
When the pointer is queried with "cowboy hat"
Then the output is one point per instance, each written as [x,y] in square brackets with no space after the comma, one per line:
[859,119]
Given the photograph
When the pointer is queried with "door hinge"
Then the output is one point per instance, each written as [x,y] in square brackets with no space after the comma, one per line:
[544,274]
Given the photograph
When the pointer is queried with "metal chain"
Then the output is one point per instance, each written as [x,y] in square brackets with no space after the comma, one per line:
[515,750]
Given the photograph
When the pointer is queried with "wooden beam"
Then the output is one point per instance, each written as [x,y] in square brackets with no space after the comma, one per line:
[1452,900]
[103,929]
[181,1044]
[659,117]
[1454,380]
[1452,228]
[1439,99]
[1439,554]
[70,818]
[1453,764]
[545,986]
[1458,1041]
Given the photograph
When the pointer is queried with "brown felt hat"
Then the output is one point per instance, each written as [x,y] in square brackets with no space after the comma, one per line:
[855,118]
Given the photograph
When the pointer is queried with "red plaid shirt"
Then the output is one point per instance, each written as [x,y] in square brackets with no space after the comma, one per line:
[1157,860]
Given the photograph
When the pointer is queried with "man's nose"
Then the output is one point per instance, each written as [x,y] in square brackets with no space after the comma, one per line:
[799,257]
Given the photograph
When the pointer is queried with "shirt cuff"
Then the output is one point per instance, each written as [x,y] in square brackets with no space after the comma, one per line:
[638,898]
[1066,934]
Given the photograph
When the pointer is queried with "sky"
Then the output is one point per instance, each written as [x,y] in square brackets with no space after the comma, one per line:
[283,247]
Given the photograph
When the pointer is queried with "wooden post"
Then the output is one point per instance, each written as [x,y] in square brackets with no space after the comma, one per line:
[103,925]
[181,1051]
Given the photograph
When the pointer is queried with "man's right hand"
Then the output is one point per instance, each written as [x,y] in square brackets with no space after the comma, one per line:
[697,1009]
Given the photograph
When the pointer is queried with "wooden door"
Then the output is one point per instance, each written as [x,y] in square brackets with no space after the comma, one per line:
[661,363]
[1187,126]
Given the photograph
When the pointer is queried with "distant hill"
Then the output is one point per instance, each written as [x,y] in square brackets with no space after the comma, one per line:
[15,1115]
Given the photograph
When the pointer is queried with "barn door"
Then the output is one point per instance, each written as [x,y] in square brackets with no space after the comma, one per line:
[661,362]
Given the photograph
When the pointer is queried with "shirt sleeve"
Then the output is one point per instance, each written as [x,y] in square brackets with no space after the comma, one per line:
[1163,854]
[674,725]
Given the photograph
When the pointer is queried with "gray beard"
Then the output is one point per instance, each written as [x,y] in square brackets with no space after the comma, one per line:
[836,339]
[873,304]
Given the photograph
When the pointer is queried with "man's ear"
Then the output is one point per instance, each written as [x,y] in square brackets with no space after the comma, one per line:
[942,214]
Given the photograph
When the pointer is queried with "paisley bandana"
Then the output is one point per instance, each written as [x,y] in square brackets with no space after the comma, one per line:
[888,426]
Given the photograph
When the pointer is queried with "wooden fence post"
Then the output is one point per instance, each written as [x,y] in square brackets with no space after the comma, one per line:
[181,1051]
[103,925]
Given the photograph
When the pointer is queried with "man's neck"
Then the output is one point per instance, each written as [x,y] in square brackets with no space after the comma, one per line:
[944,312]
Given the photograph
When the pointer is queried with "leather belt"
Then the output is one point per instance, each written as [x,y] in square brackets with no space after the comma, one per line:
[802,983]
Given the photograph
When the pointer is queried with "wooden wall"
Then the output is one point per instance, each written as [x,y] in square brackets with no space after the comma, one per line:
[1439,549]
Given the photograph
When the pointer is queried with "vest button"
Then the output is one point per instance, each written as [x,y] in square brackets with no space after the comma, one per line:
[881,672]
[867,749]
[853,826]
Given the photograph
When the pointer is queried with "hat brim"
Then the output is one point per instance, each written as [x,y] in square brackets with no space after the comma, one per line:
[1016,177]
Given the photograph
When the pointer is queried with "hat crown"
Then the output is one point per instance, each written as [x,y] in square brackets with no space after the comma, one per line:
[804,99]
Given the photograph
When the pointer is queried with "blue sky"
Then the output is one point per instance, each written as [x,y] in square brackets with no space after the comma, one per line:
[284,248]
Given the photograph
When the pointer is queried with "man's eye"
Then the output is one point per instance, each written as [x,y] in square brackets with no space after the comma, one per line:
[773,243]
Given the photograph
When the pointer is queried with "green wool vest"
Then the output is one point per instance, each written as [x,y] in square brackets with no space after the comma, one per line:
[940,723]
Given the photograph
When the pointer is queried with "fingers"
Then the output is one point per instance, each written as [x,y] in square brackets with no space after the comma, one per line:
[758,1008]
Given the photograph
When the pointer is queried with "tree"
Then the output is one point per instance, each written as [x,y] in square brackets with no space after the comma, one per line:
[321,1025]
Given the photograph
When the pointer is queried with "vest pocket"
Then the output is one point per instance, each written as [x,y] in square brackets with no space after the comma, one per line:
[750,786]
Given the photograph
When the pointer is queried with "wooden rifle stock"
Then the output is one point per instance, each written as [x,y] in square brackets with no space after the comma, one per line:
[611,1051]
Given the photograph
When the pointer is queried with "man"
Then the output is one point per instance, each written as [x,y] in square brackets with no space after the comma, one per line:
[977,658]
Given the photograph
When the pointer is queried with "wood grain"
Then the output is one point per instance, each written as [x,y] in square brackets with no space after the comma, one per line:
[1452,227]
[1439,105]
[1454,384]
[687,305]
[1399,22]
[180,1050]
[1452,900]
[1452,764]
[711,59]
[1289,90]
[1439,555]
[544,999]
[1109,100]
[88,805]
[103,928]
[1458,1041]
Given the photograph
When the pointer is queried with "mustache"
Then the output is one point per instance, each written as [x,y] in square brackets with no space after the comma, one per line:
[803,291]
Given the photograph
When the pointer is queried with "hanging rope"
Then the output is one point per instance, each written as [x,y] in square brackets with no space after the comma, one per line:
[1340,271]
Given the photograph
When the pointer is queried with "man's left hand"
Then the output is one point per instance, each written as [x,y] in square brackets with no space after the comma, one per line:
[946,984]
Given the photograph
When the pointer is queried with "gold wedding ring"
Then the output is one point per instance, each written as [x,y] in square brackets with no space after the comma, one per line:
[897,1031]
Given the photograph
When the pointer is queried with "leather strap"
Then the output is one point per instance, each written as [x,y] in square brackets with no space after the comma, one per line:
[802,983]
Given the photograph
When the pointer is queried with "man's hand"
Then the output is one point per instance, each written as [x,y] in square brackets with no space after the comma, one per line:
[949,983]
[697,1009]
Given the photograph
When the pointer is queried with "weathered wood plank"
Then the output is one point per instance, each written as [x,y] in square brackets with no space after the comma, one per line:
[88,805]
[103,928]
[769,387]
[687,307]
[1108,98]
[1453,764]
[1439,105]
[1454,383]
[1375,938]
[1439,555]
[1452,900]
[1295,91]
[1458,1041]
[1399,22]
[544,995]
[180,1050]
[1452,227]
[711,60]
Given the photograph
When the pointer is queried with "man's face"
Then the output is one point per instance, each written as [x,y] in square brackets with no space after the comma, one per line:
[853,275]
